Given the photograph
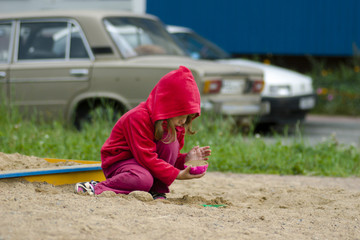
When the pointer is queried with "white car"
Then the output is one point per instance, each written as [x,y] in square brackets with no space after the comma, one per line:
[290,94]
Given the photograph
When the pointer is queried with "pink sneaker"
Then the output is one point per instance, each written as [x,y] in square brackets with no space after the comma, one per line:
[156,195]
[86,187]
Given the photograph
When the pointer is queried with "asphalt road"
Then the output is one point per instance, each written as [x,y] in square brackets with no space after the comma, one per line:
[344,130]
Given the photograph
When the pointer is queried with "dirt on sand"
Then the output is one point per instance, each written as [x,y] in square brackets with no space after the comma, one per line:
[217,206]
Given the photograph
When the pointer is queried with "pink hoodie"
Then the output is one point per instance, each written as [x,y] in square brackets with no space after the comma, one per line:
[174,95]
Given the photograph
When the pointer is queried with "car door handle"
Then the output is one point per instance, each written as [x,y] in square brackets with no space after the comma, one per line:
[79,72]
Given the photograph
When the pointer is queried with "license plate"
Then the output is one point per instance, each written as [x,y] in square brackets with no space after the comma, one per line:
[232,87]
[307,103]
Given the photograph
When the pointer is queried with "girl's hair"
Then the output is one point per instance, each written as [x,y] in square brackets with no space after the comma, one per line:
[171,132]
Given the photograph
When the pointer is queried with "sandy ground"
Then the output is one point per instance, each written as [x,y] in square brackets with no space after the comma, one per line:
[257,207]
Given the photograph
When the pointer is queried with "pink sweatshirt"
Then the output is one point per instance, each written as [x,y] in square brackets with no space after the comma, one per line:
[174,95]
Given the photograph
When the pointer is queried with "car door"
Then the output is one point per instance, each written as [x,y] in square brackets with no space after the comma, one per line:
[6,33]
[52,65]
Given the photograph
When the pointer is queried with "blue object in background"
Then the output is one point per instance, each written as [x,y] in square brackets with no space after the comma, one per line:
[278,27]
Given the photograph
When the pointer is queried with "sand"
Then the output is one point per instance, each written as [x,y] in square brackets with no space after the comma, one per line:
[18,161]
[255,207]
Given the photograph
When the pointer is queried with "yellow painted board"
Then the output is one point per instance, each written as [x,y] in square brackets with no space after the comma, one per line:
[67,178]
[85,171]
[55,160]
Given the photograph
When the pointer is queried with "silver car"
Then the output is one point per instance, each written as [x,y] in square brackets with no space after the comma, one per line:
[68,63]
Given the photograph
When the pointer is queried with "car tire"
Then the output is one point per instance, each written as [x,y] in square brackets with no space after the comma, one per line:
[105,110]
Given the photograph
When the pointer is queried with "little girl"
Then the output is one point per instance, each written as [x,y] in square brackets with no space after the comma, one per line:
[143,150]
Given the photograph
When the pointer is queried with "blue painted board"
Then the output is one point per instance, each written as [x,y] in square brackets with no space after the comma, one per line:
[46,171]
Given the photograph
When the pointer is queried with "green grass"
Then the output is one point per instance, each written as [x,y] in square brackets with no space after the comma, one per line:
[53,140]
[231,152]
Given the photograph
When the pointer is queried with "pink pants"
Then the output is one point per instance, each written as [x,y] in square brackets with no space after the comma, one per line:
[128,175]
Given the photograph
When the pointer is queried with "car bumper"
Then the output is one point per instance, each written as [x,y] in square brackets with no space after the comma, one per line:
[244,106]
[288,110]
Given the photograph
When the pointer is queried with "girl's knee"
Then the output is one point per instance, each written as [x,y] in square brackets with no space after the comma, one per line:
[143,181]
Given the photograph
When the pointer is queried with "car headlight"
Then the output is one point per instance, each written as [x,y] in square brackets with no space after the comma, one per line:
[284,90]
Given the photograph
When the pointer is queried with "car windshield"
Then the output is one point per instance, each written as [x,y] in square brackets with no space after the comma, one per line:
[136,37]
[198,47]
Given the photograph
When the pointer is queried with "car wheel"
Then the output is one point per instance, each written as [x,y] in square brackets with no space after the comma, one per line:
[98,110]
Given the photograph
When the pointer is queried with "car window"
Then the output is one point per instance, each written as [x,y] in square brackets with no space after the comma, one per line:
[5,32]
[136,37]
[37,40]
[77,47]
[50,40]
[198,47]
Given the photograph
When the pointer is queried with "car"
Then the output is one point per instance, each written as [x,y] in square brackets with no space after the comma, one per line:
[290,94]
[65,64]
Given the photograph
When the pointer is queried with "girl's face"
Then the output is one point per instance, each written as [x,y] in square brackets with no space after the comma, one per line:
[179,121]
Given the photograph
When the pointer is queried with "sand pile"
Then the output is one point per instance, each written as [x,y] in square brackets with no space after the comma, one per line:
[251,207]
[17,161]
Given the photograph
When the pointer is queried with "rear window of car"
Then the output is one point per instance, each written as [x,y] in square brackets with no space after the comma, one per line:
[136,36]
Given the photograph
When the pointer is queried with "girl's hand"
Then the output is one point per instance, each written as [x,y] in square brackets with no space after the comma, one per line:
[185,174]
[198,153]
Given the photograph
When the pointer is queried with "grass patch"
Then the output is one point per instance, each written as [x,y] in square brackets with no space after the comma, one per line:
[231,152]
[50,139]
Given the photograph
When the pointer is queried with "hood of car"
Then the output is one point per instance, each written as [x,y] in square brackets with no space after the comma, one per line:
[203,67]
